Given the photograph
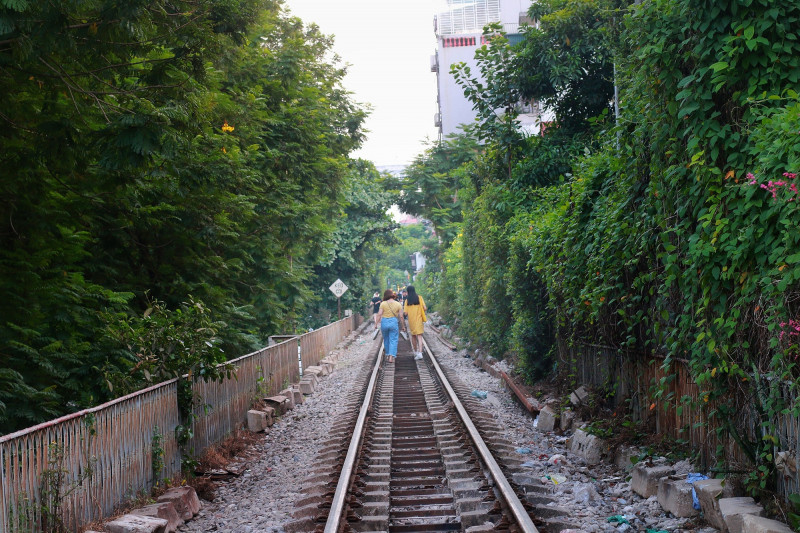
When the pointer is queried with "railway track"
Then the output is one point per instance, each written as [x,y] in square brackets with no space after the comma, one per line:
[412,459]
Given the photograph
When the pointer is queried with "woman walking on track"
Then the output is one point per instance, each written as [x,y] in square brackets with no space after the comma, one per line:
[390,315]
[415,309]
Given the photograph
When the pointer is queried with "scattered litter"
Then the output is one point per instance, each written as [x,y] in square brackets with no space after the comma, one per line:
[482,394]
[691,478]
[657,531]
[555,479]
[529,464]
[557,459]
[524,450]
[618,518]
[611,479]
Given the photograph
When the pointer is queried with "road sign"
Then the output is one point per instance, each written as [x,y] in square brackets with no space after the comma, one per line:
[338,288]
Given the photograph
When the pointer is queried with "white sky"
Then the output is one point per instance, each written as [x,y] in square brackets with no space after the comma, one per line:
[388,45]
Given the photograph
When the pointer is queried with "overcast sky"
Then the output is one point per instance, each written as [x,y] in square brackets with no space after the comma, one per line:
[388,45]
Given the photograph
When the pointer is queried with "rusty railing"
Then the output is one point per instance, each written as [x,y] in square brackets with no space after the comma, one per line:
[105,454]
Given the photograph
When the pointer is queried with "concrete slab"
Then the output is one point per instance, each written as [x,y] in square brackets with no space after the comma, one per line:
[566,419]
[130,523]
[579,396]
[733,511]
[256,421]
[708,494]
[289,395]
[164,510]
[644,480]
[184,499]
[623,456]
[547,419]
[675,496]
[279,402]
[589,447]
[306,386]
[759,524]
[298,395]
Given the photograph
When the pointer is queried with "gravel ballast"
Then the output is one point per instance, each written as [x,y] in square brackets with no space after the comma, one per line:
[262,498]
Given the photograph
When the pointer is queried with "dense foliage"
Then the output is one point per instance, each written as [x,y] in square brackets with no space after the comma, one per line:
[669,232]
[186,153]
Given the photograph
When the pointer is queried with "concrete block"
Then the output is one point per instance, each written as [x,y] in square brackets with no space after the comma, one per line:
[566,419]
[759,524]
[316,370]
[587,446]
[623,456]
[164,510]
[271,414]
[547,419]
[256,421]
[644,480]
[279,403]
[298,395]
[184,499]
[579,396]
[289,395]
[708,493]
[306,386]
[733,511]
[130,523]
[675,496]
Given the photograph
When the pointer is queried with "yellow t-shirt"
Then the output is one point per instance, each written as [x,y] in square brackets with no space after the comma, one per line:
[391,308]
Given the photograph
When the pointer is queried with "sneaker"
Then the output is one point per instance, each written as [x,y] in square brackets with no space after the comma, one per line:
[418,356]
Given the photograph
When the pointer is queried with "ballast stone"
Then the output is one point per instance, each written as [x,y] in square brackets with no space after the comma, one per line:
[164,510]
[131,523]
[759,524]
[184,499]
[644,480]
[733,511]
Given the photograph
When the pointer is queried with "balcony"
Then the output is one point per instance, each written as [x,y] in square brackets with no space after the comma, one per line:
[437,120]
[434,63]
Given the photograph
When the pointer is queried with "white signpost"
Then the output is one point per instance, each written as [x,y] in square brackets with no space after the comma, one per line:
[338,288]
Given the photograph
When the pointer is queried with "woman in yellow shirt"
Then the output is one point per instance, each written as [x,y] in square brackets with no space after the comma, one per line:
[390,315]
[415,309]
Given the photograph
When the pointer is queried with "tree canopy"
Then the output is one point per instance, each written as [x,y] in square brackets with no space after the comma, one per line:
[179,152]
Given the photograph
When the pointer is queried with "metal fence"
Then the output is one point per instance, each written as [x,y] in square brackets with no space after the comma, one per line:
[99,458]
[676,411]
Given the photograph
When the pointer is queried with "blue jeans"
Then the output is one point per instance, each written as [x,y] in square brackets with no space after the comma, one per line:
[390,331]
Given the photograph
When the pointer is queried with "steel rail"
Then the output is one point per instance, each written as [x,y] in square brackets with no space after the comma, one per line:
[521,516]
[342,486]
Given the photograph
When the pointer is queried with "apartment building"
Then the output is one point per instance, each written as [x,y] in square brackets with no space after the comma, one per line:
[458,33]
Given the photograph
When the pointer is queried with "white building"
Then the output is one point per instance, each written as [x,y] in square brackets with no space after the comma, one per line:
[458,34]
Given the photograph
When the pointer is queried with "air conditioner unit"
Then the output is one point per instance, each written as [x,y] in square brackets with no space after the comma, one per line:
[437,120]
[434,63]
